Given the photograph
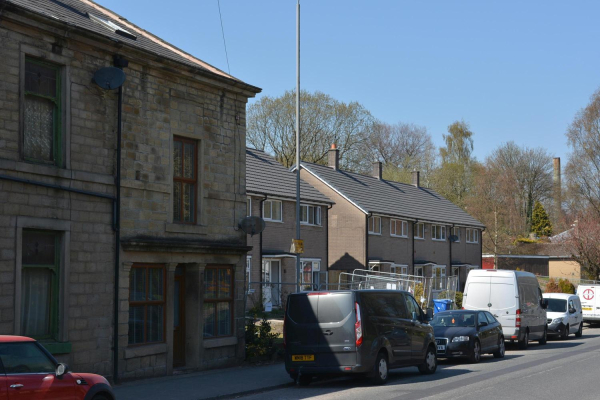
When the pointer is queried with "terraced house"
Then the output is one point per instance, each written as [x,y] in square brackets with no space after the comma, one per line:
[271,267]
[129,271]
[393,227]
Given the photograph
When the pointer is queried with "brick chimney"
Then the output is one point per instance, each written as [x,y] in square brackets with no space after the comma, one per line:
[334,157]
[377,169]
[416,178]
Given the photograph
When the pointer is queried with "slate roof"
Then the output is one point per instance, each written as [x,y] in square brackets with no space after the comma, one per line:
[392,198]
[75,13]
[264,175]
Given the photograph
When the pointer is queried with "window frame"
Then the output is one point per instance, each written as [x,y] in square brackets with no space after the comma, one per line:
[472,232]
[373,232]
[454,231]
[420,267]
[270,202]
[416,232]
[218,300]
[54,284]
[317,214]
[248,206]
[435,229]
[183,180]
[57,134]
[403,228]
[403,269]
[149,302]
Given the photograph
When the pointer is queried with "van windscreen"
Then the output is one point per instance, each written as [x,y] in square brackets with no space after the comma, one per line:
[334,307]
[557,305]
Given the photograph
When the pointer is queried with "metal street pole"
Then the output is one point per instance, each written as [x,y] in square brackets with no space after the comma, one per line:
[298,141]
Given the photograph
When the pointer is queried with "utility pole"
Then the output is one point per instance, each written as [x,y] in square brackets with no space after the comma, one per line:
[298,142]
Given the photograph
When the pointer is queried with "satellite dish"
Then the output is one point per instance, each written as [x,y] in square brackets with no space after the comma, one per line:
[252,225]
[109,78]
[453,238]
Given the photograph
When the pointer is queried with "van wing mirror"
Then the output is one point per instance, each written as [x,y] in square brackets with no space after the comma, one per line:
[572,310]
[544,303]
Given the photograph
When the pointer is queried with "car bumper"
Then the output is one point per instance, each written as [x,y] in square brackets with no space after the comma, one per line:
[556,329]
[456,350]
[316,370]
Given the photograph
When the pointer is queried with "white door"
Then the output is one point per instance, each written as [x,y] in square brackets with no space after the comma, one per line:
[275,283]
[439,277]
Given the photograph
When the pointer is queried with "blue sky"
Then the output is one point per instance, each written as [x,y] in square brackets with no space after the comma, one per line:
[513,70]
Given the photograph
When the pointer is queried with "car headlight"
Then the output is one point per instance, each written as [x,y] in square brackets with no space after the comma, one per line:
[556,321]
[460,339]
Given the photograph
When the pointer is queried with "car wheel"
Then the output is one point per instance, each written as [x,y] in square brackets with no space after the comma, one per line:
[476,354]
[501,349]
[380,370]
[525,342]
[579,332]
[304,380]
[430,364]
[544,338]
[565,333]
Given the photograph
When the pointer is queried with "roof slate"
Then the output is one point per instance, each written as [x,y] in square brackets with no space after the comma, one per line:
[75,13]
[264,175]
[392,198]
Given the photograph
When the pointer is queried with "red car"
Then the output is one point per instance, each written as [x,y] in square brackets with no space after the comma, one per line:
[28,371]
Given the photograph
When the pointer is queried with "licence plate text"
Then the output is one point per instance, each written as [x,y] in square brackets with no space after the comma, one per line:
[441,347]
[303,357]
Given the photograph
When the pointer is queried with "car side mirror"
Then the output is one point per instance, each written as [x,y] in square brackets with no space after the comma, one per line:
[483,323]
[61,369]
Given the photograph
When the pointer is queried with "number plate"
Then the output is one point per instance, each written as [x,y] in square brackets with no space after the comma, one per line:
[587,308]
[441,347]
[304,357]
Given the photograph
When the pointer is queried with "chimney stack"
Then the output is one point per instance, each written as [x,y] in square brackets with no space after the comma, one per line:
[557,191]
[334,157]
[416,178]
[377,169]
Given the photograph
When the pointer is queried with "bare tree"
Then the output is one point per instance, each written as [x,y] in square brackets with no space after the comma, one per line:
[583,167]
[402,148]
[583,241]
[323,121]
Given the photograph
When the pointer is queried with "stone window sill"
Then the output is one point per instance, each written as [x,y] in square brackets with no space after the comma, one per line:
[220,342]
[183,228]
[147,350]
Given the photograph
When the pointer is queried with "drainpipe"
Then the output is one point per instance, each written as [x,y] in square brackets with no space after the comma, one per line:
[413,246]
[450,252]
[260,248]
[327,245]
[367,242]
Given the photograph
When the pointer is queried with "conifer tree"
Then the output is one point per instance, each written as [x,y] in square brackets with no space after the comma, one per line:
[540,222]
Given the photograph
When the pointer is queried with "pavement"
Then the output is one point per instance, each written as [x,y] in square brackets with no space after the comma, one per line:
[213,384]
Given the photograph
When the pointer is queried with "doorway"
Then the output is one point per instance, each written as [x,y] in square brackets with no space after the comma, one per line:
[179,317]
[271,271]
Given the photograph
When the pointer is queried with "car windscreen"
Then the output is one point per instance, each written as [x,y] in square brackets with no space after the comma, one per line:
[557,305]
[454,319]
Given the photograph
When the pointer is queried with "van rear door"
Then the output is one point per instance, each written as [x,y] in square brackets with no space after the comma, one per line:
[302,331]
[587,296]
[503,300]
[337,319]
[477,293]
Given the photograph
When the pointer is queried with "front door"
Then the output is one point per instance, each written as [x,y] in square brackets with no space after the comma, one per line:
[179,317]
[271,282]
[439,277]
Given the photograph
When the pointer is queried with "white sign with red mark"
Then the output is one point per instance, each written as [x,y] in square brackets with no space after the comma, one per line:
[588,294]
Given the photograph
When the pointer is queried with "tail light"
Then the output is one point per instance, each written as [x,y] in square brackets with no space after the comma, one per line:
[358,326]
[518,321]
[284,336]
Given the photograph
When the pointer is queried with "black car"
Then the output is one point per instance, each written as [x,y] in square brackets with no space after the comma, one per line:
[353,332]
[467,333]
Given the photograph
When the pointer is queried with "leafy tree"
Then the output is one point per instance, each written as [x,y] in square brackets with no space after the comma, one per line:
[454,177]
[540,222]
[323,121]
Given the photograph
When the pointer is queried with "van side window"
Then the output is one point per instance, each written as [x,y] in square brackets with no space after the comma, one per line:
[381,305]
[571,304]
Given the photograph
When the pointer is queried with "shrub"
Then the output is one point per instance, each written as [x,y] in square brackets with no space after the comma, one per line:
[552,286]
[259,339]
[566,286]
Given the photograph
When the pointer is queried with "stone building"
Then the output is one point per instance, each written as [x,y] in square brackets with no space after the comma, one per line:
[271,268]
[181,256]
[393,227]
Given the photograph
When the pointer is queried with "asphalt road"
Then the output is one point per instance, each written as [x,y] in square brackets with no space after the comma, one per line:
[559,370]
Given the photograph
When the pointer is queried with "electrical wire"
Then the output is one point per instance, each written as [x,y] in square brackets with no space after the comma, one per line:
[223,33]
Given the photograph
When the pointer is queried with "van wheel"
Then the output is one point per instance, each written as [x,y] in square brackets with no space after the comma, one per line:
[564,335]
[430,364]
[380,370]
[544,338]
[501,349]
[304,380]
[525,342]
[476,355]
[579,332]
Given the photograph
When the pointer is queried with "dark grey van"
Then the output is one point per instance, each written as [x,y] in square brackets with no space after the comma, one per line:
[356,332]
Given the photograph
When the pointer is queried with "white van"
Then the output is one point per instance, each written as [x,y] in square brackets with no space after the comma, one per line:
[514,298]
[564,314]
[588,295]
